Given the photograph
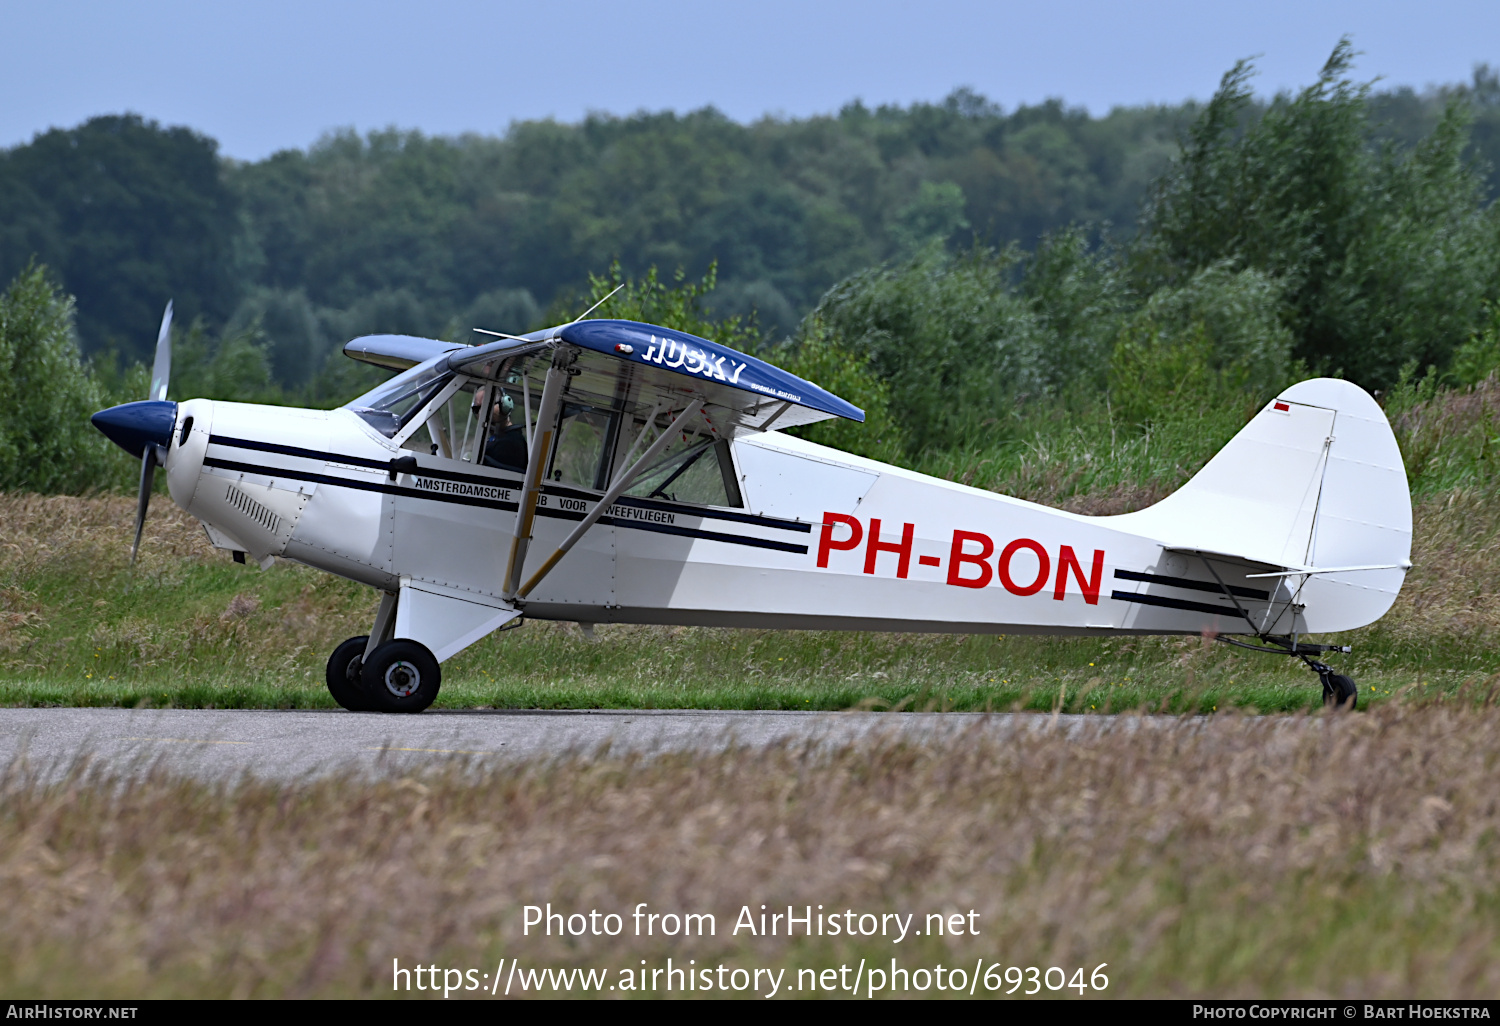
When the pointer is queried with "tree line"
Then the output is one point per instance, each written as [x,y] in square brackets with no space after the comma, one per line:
[1156,260]
[399,231]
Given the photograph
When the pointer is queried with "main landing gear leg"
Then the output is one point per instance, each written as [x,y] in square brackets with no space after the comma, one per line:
[345,672]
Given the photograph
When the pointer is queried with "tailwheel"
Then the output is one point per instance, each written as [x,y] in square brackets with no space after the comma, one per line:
[401,676]
[343,675]
[1339,691]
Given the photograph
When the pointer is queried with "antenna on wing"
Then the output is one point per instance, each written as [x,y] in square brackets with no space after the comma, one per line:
[518,338]
[501,334]
[601,302]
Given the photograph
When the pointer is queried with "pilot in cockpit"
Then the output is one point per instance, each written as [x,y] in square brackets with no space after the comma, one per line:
[505,448]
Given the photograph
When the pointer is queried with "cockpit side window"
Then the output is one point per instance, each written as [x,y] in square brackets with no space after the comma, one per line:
[448,427]
[389,407]
[505,445]
[481,423]
[583,438]
[695,468]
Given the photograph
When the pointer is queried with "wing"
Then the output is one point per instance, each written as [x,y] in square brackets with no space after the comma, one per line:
[398,352]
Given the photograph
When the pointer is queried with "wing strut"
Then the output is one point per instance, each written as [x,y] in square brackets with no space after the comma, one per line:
[622,482]
[536,465]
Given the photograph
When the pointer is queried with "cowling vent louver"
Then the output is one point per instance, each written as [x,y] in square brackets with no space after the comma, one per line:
[252,509]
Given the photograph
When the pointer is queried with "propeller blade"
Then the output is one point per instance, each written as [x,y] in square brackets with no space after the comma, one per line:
[148,479]
[161,369]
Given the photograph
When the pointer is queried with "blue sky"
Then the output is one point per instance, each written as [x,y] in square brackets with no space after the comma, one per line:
[274,74]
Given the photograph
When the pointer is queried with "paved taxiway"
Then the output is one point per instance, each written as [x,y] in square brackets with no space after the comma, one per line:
[286,745]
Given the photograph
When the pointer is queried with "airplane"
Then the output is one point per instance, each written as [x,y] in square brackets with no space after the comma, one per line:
[609,471]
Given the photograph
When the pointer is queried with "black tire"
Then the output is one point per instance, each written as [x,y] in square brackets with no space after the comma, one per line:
[343,675]
[1339,691]
[401,676]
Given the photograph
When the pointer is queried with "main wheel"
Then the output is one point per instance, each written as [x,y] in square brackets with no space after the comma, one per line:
[1339,691]
[401,676]
[343,678]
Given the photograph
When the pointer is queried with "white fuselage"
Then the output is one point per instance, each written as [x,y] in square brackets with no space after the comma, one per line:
[824,540]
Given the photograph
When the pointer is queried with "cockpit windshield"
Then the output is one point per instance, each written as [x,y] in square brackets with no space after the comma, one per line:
[389,406]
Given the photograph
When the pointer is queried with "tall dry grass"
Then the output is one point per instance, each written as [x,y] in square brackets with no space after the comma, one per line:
[1351,856]
[91,531]
[1452,593]
[67,592]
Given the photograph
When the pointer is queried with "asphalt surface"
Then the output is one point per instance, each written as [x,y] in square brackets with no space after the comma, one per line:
[286,745]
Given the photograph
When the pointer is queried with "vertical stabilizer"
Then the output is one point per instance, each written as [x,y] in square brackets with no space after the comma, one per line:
[1314,480]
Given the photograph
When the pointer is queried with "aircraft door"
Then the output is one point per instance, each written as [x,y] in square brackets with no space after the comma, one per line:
[582,439]
[576,477]
[453,514]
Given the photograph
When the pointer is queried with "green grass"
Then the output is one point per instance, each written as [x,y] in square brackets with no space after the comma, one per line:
[189,628]
[207,633]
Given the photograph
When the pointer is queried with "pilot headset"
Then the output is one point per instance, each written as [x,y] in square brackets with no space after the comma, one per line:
[507,404]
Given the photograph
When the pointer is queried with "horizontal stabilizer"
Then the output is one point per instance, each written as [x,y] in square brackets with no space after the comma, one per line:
[1306,571]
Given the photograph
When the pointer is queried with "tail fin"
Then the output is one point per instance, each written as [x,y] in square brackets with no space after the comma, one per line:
[1314,480]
